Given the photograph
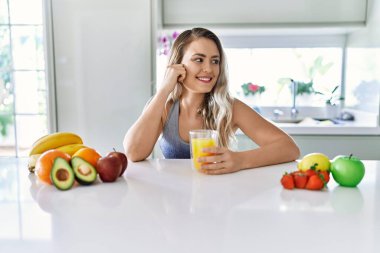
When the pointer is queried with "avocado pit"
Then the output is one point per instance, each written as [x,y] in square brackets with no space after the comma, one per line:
[84,169]
[62,174]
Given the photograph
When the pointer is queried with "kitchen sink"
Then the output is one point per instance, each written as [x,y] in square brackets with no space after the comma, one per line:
[306,115]
[299,120]
[285,120]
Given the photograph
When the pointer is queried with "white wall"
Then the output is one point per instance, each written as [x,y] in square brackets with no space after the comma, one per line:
[370,35]
[102,51]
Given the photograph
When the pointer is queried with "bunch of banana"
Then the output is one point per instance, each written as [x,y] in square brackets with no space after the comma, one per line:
[64,141]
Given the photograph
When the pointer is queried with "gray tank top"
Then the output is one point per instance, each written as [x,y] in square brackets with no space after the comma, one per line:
[171,144]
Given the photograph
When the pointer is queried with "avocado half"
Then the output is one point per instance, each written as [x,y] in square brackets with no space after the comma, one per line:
[62,175]
[84,172]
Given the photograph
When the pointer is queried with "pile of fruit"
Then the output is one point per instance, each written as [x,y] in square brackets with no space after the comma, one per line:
[62,159]
[314,172]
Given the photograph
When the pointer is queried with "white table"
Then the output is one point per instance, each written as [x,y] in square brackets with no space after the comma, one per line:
[165,206]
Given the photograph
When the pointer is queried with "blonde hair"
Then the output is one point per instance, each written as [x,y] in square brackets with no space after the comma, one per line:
[216,109]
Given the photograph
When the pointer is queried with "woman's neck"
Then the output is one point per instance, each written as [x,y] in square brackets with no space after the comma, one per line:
[190,103]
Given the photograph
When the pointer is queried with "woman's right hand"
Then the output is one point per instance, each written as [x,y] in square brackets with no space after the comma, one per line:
[174,74]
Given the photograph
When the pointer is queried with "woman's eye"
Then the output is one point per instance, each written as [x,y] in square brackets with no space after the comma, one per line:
[198,60]
[216,61]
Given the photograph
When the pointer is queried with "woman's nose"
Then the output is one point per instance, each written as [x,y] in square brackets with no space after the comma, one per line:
[206,68]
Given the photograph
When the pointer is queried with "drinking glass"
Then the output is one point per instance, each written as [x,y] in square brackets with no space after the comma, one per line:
[200,139]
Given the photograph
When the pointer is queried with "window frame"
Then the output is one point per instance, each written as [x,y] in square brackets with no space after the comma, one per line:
[47,70]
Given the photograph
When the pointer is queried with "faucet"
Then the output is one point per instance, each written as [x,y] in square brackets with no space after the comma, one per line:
[277,113]
[294,111]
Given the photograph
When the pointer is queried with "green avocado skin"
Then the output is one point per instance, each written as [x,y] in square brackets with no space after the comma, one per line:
[62,175]
[88,179]
[82,182]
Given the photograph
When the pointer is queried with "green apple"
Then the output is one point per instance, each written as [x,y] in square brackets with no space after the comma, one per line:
[347,170]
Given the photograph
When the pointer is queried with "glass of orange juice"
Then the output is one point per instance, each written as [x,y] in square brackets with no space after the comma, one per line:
[200,139]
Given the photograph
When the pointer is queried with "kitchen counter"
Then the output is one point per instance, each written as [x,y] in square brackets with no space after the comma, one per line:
[364,123]
[165,206]
[335,130]
[329,130]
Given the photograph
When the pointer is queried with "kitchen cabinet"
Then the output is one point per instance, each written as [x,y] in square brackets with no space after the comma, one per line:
[362,146]
[256,13]
[165,206]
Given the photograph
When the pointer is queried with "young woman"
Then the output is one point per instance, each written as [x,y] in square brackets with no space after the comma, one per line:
[194,95]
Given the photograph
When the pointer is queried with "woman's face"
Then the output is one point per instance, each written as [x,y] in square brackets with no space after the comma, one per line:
[202,62]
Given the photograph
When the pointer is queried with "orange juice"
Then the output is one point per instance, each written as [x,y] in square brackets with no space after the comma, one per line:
[197,144]
[199,139]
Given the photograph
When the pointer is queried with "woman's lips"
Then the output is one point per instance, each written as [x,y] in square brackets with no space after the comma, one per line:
[204,79]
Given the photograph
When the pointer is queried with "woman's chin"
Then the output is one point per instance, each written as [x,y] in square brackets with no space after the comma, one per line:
[200,89]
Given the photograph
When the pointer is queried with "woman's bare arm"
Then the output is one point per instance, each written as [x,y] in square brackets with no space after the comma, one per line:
[275,146]
[140,139]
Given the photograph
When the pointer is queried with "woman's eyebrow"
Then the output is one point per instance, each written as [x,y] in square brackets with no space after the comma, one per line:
[203,55]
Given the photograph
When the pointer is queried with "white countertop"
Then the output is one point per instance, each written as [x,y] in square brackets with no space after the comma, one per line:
[329,130]
[365,123]
[347,129]
[165,206]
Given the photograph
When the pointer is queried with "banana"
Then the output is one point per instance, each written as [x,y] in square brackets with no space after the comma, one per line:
[32,162]
[55,140]
[71,148]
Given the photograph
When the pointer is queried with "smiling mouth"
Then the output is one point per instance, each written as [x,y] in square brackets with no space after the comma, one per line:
[204,79]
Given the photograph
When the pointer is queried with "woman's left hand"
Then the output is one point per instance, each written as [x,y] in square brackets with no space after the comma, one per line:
[222,161]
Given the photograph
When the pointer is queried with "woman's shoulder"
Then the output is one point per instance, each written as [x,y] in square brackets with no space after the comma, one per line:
[241,111]
[237,104]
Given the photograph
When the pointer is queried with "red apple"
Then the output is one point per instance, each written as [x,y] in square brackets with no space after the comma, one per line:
[123,158]
[109,168]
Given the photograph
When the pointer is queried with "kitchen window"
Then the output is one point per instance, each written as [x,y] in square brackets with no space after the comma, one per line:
[23,87]
[317,72]
[331,77]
